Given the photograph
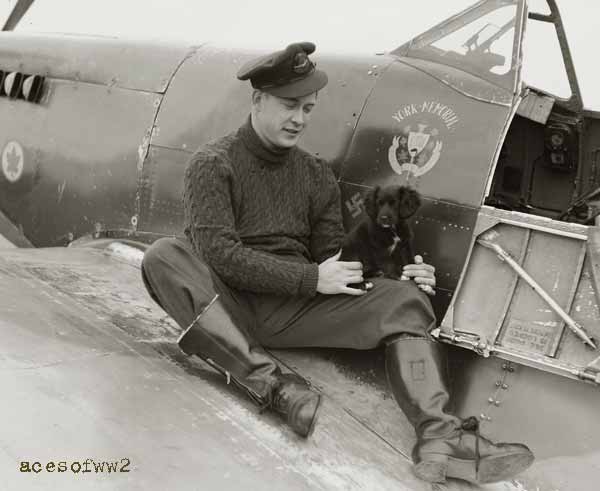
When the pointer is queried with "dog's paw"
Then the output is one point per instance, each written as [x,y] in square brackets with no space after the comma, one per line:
[364,286]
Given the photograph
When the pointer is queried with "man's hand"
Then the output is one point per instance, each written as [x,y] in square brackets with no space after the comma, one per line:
[423,274]
[334,276]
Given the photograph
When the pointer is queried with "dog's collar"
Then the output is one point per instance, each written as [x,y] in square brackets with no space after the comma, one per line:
[392,228]
[396,238]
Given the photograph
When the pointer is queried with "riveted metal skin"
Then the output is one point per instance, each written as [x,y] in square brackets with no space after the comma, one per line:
[79,163]
[452,189]
[100,158]
[557,417]
[206,101]
[96,60]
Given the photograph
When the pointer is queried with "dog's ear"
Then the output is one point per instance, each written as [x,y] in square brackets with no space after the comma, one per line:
[409,201]
[371,202]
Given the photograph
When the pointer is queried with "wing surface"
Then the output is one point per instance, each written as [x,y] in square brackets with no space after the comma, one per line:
[92,371]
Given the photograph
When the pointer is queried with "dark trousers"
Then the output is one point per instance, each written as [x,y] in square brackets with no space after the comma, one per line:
[183,285]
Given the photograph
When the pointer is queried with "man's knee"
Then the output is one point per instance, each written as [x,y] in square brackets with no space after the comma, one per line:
[158,253]
[153,265]
[418,299]
[408,302]
[404,289]
[171,260]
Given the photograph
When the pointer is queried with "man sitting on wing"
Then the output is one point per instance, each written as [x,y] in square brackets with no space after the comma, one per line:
[259,267]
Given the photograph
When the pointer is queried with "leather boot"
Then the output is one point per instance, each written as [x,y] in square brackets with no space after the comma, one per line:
[215,338]
[446,446]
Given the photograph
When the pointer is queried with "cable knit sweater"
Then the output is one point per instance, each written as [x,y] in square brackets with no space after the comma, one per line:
[262,219]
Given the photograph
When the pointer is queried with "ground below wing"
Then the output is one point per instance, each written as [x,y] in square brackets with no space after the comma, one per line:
[91,370]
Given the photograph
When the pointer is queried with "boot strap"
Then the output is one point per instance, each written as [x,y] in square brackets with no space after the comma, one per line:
[261,401]
[471,424]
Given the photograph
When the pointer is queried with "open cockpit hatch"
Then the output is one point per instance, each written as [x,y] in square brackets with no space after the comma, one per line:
[530,289]
[547,165]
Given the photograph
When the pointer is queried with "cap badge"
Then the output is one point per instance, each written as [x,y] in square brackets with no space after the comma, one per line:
[302,64]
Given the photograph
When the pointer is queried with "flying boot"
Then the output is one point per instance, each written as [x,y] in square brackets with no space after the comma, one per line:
[215,338]
[446,446]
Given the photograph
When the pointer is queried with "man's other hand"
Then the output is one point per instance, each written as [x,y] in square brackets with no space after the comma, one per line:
[423,275]
[335,276]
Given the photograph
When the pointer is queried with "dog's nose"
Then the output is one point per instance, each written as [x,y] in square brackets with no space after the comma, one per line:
[385,219]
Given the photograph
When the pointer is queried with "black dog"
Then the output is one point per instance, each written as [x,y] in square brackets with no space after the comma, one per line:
[383,240]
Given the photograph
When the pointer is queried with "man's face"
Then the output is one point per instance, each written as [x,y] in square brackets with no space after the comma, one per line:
[279,121]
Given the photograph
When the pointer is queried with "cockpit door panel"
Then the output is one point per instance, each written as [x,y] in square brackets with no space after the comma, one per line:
[529,313]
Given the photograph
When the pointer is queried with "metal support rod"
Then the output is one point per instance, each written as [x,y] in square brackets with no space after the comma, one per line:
[576,101]
[17,13]
[541,17]
[505,256]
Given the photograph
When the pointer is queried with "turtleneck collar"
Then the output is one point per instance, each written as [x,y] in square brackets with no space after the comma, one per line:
[258,148]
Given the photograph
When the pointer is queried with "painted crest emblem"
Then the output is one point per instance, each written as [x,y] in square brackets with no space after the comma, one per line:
[13,161]
[419,146]
[416,150]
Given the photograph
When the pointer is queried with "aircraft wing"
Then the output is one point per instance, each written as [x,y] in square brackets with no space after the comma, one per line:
[92,371]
